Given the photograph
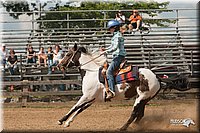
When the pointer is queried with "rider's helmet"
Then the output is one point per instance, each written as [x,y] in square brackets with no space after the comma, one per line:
[112,23]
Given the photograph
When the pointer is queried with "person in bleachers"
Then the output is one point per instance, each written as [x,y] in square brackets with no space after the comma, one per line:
[57,57]
[123,29]
[120,18]
[31,55]
[4,56]
[135,21]
[49,59]
[42,57]
[12,62]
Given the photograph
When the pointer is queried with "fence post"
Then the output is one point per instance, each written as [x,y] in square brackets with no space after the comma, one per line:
[142,50]
[33,23]
[21,74]
[67,19]
[104,17]
[192,69]
[177,24]
[149,60]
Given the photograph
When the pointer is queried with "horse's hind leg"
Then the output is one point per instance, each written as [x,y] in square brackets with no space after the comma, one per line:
[131,119]
[141,111]
[137,113]
[67,123]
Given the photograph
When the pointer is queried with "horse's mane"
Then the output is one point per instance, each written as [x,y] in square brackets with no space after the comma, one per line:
[95,54]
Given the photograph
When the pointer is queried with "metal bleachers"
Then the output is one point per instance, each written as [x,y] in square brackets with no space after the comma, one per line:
[162,49]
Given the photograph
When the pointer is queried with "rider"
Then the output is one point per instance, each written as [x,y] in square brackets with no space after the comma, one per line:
[118,53]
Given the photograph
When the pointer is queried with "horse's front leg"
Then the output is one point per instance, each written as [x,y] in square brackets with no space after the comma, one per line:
[67,123]
[72,110]
[82,102]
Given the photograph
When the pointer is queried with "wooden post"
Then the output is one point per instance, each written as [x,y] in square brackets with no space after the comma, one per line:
[24,96]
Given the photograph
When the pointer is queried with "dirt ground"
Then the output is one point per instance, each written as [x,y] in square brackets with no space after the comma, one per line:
[101,117]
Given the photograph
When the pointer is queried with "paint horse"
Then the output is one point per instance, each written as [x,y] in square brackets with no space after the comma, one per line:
[145,88]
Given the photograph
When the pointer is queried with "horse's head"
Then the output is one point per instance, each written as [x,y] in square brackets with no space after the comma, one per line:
[72,57]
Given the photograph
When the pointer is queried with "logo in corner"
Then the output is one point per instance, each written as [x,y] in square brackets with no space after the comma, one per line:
[187,122]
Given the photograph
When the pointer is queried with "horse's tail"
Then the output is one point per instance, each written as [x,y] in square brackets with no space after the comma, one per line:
[180,83]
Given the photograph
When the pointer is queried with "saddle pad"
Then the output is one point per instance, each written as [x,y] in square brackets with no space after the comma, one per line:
[125,70]
[130,75]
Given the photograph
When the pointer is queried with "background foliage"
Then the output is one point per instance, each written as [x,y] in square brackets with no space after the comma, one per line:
[23,6]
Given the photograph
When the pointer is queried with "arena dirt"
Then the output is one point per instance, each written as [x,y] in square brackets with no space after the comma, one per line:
[100,117]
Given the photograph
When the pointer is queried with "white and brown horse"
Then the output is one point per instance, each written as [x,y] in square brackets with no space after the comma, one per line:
[93,90]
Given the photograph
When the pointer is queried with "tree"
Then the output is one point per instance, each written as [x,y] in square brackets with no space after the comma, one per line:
[100,15]
[16,6]
[103,12]
[23,6]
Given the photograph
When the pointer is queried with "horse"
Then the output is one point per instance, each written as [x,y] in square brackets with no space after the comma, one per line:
[145,88]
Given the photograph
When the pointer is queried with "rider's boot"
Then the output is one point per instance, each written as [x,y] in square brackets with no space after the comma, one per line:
[110,94]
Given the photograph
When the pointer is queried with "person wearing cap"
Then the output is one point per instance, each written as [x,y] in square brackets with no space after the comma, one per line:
[135,21]
[4,55]
[118,53]
[120,17]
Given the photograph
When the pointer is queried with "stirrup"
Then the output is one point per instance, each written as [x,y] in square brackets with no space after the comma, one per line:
[110,94]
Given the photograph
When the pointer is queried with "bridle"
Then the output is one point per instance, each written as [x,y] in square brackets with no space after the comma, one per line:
[72,57]
[80,65]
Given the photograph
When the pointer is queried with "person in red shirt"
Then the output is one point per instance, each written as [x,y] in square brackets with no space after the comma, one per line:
[135,21]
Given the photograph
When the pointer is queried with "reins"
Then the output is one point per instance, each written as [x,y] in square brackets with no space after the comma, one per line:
[73,55]
[90,60]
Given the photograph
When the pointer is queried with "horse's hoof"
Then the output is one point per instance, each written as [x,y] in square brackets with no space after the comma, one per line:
[66,125]
[122,129]
[59,122]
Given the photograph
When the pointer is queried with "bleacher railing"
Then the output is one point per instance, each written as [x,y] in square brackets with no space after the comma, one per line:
[178,41]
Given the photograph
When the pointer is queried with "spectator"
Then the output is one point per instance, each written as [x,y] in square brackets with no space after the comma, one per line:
[4,55]
[12,62]
[42,57]
[120,18]
[50,59]
[123,28]
[57,57]
[31,55]
[135,21]
[28,46]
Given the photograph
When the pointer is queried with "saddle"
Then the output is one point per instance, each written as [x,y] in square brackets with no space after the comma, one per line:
[122,75]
